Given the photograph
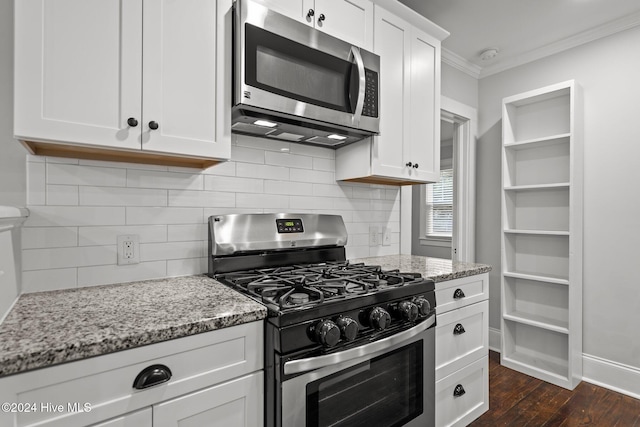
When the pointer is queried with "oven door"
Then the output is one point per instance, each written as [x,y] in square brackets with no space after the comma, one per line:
[390,382]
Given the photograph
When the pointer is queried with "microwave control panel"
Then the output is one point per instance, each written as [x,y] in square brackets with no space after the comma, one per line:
[370,107]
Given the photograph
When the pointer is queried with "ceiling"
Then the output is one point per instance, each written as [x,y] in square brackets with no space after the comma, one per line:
[521,30]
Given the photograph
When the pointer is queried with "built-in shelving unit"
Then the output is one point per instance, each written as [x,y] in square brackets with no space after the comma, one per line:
[542,233]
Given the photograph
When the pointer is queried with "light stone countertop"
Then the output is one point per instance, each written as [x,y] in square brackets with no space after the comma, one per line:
[437,269]
[48,328]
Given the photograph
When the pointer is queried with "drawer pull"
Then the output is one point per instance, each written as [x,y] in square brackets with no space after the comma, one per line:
[152,375]
[457,294]
[459,329]
[458,391]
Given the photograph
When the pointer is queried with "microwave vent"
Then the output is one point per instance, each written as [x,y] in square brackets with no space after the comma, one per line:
[252,129]
[287,136]
[324,141]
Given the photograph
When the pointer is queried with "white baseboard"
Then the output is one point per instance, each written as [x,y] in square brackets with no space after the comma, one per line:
[494,339]
[612,375]
[605,373]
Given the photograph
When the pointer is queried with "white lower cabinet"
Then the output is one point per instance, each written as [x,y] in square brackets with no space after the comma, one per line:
[215,376]
[462,347]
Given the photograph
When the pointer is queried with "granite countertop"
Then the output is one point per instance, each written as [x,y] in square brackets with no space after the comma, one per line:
[437,269]
[48,328]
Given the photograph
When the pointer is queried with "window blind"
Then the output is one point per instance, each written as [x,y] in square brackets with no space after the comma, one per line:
[440,205]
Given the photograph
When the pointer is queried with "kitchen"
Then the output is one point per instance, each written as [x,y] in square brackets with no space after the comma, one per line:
[77,207]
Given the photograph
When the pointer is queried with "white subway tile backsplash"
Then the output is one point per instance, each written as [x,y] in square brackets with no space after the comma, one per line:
[43,259]
[250,170]
[162,179]
[187,233]
[120,196]
[170,250]
[78,208]
[107,274]
[287,187]
[288,160]
[233,184]
[318,177]
[49,280]
[49,237]
[265,201]
[62,195]
[94,236]
[201,198]
[36,183]
[52,216]
[67,174]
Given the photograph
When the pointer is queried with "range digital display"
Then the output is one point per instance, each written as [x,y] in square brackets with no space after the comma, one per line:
[289,225]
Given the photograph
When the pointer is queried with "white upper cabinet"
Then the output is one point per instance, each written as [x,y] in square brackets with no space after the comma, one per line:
[407,151]
[94,78]
[348,20]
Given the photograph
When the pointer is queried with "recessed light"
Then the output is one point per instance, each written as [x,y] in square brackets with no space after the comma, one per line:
[338,137]
[265,123]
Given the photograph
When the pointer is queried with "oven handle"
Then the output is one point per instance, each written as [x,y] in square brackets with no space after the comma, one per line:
[312,363]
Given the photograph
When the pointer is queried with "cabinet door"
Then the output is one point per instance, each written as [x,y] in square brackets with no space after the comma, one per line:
[393,44]
[349,20]
[134,419]
[237,403]
[423,139]
[78,75]
[187,77]
[296,9]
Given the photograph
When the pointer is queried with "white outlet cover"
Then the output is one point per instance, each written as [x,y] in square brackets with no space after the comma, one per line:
[121,242]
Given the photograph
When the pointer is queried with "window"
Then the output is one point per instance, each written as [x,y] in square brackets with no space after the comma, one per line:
[439,209]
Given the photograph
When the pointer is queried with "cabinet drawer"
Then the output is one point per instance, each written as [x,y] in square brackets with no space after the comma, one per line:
[135,419]
[464,395]
[106,382]
[462,336]
[458,293]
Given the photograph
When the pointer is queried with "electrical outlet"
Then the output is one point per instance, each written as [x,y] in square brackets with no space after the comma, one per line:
[128,249]
[386,236]
[374,235]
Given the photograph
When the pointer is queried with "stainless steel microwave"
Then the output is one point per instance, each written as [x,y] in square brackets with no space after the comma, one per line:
[295,83]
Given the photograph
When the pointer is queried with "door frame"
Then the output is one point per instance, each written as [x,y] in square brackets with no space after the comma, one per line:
[463,242]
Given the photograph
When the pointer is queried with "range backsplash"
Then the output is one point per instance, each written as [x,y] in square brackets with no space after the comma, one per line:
[79,207]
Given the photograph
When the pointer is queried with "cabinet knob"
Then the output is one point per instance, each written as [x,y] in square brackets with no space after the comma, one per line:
[310,13]
[153,125]
[132,122]
[152,375]
[321,17]
[458,391]
[457,294]
[415,165]
[409,164]
[458,329]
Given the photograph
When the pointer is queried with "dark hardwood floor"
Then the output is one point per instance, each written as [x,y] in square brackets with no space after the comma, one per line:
[517,399]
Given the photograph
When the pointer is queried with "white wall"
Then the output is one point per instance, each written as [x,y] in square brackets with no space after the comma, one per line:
[79,207]
[607,70]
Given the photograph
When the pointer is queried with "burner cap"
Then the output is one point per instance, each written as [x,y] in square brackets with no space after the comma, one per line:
[299,298]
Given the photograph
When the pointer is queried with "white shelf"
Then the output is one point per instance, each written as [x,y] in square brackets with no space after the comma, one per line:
[558,280]
[538,187]
[541,283]
[544,141]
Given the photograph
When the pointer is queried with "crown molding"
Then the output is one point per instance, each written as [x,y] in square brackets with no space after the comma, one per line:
[458,62]
[613,27]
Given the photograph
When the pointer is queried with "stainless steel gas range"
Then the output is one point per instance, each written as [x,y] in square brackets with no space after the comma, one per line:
[346,344]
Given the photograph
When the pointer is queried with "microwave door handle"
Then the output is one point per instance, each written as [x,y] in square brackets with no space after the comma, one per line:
[355,51]
[313,363]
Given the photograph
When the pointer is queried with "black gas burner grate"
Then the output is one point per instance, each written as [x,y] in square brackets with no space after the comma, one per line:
[307,285]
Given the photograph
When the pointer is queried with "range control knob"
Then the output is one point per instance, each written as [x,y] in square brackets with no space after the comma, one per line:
[379,318]
[424,307]
[327,333]
[408,311]
[348,327]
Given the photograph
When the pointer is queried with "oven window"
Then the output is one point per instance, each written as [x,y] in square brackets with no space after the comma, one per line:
[385,391]
[293,70]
